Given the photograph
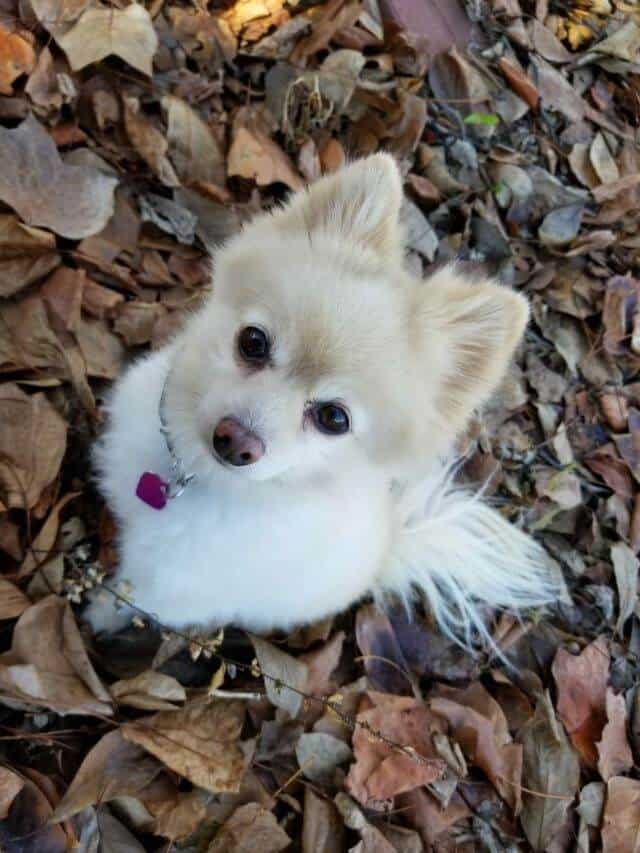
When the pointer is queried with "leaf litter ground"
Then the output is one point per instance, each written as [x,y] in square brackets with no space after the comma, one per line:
[130,137]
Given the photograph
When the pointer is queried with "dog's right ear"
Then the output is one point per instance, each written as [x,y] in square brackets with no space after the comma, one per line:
[360,204]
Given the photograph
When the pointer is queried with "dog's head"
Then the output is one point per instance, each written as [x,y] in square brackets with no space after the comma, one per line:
[317,350]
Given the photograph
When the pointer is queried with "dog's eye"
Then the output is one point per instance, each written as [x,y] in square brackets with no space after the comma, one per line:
[331,418]
[253,345]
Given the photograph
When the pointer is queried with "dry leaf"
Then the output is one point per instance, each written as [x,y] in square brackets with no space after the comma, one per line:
[127,33]
[27,826]
[199,741]
[625,567]
[623,44]
[148,141]
[280,669]
[13,602]
[194,150]
[39,549]
[322,829]
[614,753]
[319,754]
[48,665]
[17,57]
[550,767]
[10,786]
[255,156]
[149,691]
[381,772]
[26,254]
[480,727]
[250,829]
[581,681]
[73,201]
[33,440]
[112,768]
[621,821]
[602,162]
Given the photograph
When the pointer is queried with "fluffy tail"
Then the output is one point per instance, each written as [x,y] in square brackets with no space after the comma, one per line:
[458,552]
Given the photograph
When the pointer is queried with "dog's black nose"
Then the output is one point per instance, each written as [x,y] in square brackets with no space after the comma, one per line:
[236,444]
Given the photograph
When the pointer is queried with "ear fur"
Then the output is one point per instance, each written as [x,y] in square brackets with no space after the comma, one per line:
[360,204]
[478,324]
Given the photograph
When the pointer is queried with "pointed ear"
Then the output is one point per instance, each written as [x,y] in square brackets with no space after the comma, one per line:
[478,325]
[360,203]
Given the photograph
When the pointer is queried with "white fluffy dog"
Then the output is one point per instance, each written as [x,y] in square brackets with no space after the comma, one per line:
[304,416]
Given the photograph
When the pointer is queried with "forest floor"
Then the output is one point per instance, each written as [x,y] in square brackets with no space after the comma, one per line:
[130,136]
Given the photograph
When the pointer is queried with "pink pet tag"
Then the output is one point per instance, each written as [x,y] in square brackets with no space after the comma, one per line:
[152,490]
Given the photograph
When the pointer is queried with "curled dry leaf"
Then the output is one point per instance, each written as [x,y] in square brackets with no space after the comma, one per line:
[149,691]
[614,753]
[625,567]
[281,669]
[33,439]
[26,254]
[112,768]
[148,141]
[250,829]
[581,681]
[27,825]
[39,549]
[552,769]
[322,829]
[48,665]
[621,821]
[199,741]
[10,786]
[13,602]
[380,772]
[194,150]
[17,57]
[73,201]
[255,156]
[479,725]
[127,33]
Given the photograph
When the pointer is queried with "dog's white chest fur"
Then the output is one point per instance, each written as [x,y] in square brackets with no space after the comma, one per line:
[256,554]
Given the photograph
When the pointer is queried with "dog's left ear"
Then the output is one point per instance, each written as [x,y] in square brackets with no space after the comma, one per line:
[467,332]
[360,204]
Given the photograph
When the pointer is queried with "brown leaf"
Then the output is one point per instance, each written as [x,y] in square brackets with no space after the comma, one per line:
[39,549]
[552,769]
[199,741]
[73,201]
[149,691]
[27,826]
[250,829]
[581,681]
[322,829]
[26,254]
[255,156]
[137,320]
[17,57]
[621,822]
[48,665]
[13,602]
[520,83]
[623,44]
[112,768]
[547,44]
[381,772]
[10,786]
[33,440]
[384,661]
[478,724]
[281,669]
[620,304]
[334,16]
[625,567]
[127,33]
[614,753]
[102,349]
[194,150]
[148,141]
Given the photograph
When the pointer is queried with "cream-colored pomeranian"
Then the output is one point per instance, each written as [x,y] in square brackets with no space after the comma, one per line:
[289,451]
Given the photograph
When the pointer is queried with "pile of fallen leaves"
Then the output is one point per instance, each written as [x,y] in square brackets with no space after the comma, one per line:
[131,136]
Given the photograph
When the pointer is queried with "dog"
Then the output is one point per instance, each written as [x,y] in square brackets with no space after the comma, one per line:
[289,451]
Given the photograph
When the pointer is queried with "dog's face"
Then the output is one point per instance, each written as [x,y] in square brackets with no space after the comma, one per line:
[316,351]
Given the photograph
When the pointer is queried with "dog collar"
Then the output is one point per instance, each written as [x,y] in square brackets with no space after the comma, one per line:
[152,489]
